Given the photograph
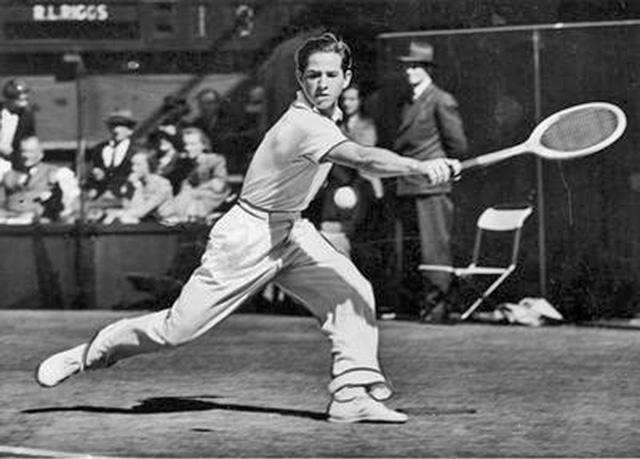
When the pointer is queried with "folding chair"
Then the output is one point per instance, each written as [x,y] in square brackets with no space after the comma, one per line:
[499,220]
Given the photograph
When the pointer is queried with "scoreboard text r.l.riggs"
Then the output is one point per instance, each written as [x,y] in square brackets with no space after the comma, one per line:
[70,12]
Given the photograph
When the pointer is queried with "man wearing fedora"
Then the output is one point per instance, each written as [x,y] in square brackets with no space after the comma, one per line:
[430,127]
[109,162]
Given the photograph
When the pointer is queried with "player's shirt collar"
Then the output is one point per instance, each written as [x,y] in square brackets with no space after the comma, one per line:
[302,102]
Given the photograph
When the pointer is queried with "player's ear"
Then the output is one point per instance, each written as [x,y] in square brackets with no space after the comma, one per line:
[347,79]
[299,77]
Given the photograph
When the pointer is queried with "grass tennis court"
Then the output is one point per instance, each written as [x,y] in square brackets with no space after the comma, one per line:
[255,387]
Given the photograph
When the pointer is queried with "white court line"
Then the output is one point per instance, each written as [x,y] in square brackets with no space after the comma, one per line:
[20,452]
[26,452]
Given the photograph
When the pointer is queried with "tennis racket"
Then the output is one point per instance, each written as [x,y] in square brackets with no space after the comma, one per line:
[570,133]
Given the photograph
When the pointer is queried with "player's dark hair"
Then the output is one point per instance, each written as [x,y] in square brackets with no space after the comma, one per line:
[325,43]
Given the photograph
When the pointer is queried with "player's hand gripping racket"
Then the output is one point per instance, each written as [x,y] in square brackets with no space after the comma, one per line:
[570,133]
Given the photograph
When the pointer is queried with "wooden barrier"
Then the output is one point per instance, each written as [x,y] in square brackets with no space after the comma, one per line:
[57,266]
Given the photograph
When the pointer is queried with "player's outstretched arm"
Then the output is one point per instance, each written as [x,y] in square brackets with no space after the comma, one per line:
[382,163]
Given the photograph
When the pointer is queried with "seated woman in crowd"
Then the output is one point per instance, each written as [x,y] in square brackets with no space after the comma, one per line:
[349,194]
[359,128]
[150,195]
[205,188]
[173,162]
[38,191]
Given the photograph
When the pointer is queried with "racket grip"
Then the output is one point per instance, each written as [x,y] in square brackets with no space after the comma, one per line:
[476,162]
[492,158]
[453,175]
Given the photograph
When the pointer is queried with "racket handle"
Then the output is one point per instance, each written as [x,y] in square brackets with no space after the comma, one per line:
[492,158]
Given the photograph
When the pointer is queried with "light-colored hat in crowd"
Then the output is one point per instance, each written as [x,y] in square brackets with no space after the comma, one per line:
[421,52]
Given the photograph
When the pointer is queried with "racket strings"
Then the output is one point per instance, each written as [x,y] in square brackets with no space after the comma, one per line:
[580,129]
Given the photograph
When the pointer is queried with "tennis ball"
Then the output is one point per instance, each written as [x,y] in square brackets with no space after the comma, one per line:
[345,197]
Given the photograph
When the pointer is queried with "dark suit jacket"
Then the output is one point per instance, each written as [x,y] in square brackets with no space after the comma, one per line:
[26,127]
[115,177]
[430,128]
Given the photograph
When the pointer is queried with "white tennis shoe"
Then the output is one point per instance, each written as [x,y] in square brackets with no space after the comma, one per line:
[363,408]
[55,369]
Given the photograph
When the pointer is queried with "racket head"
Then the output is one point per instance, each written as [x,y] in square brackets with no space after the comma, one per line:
[578,131]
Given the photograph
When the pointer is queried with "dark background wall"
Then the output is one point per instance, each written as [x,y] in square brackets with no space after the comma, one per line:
[589,233]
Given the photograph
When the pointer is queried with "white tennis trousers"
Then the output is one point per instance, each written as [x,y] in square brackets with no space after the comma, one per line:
[247,249]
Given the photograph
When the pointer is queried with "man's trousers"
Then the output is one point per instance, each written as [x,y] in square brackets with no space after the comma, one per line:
[247,249]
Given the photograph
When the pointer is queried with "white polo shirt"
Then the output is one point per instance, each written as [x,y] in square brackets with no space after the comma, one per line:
[286,171]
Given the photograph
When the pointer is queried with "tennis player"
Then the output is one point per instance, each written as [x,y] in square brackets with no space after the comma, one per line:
[263,239]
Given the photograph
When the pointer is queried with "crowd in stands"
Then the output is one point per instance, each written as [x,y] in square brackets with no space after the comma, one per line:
[177,173]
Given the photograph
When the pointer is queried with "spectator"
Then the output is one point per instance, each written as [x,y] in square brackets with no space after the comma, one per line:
[173,111]
[38,190]
[430,128]
[16,120]
[354,216]
[110,162]
[205,189]
[173,162]
[208,120]
[151,192]
[248,131]
[360,129]
[348,193]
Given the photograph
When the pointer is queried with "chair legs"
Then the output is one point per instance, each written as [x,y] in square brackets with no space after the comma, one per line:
[486,293]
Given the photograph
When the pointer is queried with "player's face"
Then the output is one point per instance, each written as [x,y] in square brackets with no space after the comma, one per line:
[415,74]
[140,166]
[30,152]
[324,80]
[350,101]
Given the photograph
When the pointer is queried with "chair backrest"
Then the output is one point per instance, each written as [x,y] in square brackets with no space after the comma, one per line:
[503,219]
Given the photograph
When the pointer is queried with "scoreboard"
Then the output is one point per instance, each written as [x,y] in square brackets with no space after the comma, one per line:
[109,25]
[66,21]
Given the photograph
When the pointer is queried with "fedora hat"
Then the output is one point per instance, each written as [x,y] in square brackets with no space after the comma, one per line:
[419,52]
[121,118]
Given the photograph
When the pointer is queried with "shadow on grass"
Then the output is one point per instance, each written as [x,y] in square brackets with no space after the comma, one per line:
[156,405]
